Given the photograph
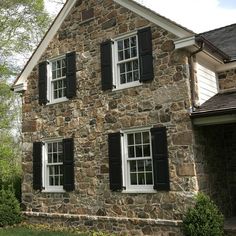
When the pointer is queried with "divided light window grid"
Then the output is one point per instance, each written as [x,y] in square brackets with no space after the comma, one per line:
[139,158]
[128,62]
[58,78]
[54,169]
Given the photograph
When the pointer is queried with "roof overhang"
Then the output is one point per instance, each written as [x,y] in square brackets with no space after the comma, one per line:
[137,8]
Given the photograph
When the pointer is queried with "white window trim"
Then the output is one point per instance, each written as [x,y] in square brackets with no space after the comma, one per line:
[115,75]
[125,171]
[49,83]
[46,187]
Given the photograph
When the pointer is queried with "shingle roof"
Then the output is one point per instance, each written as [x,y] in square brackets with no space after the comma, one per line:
[224,38]
[220,103]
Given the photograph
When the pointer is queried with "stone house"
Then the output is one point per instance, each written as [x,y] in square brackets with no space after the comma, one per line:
[126,116]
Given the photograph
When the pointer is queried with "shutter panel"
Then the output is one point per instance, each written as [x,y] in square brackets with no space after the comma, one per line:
[71,74]
[145,54]
[37,165]
[42,82]
[114,153]
[106,65]
[160,159]
[68,164]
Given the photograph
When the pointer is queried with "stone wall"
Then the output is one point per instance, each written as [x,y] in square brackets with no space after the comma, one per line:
[95,113]
[215,164]
[227,79]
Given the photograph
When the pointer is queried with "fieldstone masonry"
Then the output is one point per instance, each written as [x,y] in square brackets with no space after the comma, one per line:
[93,114]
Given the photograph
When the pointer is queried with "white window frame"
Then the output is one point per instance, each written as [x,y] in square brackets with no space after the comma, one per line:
[50,89]
[128,188]
[45,172]
[115,62]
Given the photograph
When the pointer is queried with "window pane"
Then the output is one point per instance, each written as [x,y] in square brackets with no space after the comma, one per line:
[54,157]
[126,43]
[149,178]
[140,165]
[55,94]
[49,158]
[54,147]
[122,79]
[120,45]
[56,170]
[148,165]
[129,77]
[130,139]
[128,66]
[132,166]
[137,138]
[141,179]
[60,146]
[63,62]
[58,64]
[131,151]
[127,54]
[120,56]
[60,157]
[61,180]
[54,75]
[133,52]
[49,147]
[63,71]
[122,68]
[136,76]
[146,150]
[58,73]
[56,180]
[139,151]
[53,65]
[133,178]
[135,65]
[133,41]
[51,181]
[51,170]
[145,137]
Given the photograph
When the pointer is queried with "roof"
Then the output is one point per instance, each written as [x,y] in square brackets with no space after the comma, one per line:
[178,30]
[221,103]
[223,38]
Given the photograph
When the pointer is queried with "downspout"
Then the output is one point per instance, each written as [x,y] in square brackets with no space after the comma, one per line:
[192,77]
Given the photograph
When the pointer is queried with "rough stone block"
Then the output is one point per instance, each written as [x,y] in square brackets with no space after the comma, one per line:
[186,170]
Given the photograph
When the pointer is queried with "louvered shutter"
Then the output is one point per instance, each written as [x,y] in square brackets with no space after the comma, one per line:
[42,82]
[160,159]
[145,54]
[71,74]
[114,153]
[68,164]
[106,65]
[37,165]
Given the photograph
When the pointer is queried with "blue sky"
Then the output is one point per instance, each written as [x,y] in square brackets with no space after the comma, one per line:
[227,4]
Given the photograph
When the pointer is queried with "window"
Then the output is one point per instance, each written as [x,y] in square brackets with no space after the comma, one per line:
[53,165]
[57,79]
[127,61]
[138,160]
[126,64]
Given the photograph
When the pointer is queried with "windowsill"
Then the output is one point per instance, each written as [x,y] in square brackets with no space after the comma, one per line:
[139,191]
[126,86]
[58,101]
[53,191]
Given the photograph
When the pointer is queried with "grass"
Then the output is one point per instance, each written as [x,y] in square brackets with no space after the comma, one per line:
[22,231]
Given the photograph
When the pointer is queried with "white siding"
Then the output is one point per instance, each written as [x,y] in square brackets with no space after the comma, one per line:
[207,83]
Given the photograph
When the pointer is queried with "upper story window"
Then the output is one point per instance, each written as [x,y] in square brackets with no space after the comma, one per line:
[127,61]
[57,79]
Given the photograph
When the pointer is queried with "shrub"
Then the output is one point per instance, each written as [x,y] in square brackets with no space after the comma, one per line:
[9,208]
[204,219]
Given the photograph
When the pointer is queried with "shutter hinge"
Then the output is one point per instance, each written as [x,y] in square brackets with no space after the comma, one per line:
[113,86]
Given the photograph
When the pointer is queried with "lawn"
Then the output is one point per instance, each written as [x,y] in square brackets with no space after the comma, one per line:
[21,231]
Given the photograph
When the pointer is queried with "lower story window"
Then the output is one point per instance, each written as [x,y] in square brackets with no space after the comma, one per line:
[137,160]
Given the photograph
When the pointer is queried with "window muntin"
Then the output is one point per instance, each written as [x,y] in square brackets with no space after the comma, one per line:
[127,62]
[138,160]
[53,166]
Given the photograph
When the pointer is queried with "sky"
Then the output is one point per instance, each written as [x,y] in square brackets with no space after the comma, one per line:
[196,15]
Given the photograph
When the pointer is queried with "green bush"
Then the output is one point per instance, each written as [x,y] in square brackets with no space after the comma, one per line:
[204,219]
[9,208]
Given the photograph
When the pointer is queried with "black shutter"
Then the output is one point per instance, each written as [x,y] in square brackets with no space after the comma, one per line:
[71,74]
[68,164]
[42,82]
[114,153]
[145,54]
[160,159]
[37,165]
[106,65]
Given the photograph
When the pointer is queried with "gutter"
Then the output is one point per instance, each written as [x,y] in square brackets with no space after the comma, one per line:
[228,111]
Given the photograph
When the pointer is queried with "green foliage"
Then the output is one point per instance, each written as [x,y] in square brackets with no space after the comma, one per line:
[9,208]
[204,219]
